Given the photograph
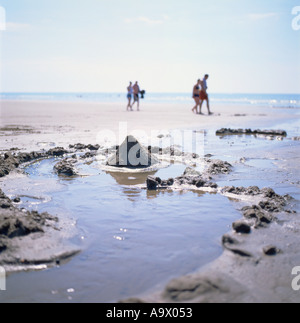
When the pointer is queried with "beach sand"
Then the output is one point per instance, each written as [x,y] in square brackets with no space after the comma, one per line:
[63,123]
[32,126]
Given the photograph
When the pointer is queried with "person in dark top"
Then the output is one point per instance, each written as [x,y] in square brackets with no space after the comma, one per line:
[196,96]
[136,98]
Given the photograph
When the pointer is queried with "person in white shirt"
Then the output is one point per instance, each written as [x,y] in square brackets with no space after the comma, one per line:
[204,95]
[129,96]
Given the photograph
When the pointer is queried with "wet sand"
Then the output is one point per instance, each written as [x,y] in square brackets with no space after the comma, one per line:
[31,126]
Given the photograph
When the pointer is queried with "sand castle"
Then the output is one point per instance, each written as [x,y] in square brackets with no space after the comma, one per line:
[131,154]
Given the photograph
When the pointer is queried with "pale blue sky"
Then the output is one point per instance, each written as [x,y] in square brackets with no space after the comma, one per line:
[247,46]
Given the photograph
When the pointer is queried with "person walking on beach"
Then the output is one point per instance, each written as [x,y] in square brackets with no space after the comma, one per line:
[204,95]
[129,96]
[136,98]
[196,96]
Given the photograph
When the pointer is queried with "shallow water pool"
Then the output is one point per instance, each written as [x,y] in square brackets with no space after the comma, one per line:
[132,240]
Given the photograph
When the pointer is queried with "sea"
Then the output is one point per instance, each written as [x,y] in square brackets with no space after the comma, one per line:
[272,100]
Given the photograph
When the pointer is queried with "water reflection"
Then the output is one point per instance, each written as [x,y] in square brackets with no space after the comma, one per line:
[133,194]
[129,181]
[178,192]
[131,178]
[134,183]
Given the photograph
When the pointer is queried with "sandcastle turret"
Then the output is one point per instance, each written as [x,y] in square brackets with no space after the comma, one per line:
[131,154]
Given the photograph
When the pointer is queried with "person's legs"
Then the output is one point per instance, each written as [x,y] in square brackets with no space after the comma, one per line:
[129,104]
[135,99]
[208,106]
[133,102]
[201,103]
[195,108]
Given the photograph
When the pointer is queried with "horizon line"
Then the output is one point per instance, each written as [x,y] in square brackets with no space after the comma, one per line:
[92,92]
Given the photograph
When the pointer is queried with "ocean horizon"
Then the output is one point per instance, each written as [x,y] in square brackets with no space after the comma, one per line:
[271,100]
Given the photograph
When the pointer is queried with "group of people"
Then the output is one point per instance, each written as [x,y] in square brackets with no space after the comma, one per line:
[200,95]
[133,93]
